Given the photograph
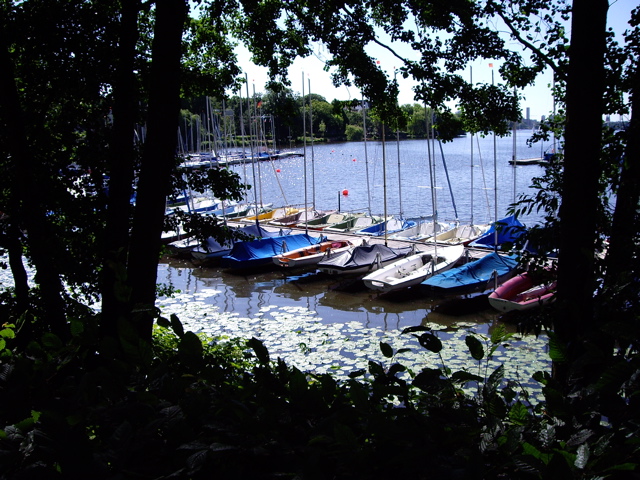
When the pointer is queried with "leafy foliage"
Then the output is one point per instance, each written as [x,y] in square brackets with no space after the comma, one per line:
[206,407]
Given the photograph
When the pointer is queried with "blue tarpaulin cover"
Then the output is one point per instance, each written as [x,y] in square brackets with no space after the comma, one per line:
[393,226]
[215,248]
[509,229]
[259,252]
[473,275]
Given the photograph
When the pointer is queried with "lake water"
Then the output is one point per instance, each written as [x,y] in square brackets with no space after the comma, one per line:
[335,170]
[326,325]
[312,320]
[344,166]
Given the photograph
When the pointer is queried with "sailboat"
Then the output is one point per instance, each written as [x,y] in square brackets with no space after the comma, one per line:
[506,230]
[259,253]
[363,259]
[413,270]
[475,276]
[212,249]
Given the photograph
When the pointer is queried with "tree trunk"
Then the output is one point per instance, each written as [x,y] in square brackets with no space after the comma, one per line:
[28,196]
[625,219]
[121,173]
[158,159]
[578,217]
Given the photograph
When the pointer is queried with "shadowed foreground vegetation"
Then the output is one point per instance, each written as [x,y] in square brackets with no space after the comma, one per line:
[193,407]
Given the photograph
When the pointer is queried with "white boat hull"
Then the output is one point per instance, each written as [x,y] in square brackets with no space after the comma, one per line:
[413,270]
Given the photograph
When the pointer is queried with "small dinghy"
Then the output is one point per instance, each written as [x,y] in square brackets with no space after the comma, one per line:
[523,292]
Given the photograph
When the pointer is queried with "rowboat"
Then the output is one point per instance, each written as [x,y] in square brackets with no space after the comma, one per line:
[413,270]
[311,255]
[522,292]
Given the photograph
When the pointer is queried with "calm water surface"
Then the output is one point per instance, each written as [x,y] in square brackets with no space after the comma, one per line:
[344,166]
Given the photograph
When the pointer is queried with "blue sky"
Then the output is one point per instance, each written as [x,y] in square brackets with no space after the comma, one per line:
[537,98]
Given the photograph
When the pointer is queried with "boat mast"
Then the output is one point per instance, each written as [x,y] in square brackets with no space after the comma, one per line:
[398,149]
[471,199]
[313,172]
[366,156]
[258,136]
[495,180]
[432,175]
[304,156]
[514,156]
[253,165]
[384,182]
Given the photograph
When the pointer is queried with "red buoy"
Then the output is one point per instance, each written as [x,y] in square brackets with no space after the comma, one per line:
[354,159]
[278,170]
[345,192]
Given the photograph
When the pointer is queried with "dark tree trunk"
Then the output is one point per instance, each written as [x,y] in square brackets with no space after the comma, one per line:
[578,217]
[114,291]
[27,200]
[158,158]
[625,218]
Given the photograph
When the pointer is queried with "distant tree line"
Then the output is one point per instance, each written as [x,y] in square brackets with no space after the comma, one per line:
[279,116]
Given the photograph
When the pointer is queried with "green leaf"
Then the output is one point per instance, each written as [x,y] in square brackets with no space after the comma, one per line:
[386,349]
[51,340]
[557,350]
[430,342]
[176,325]
[396,368]
[375,368]
[7,333]
[582,456]
[475,347]
[465,377]
[163,322]
[429,380]
[416,328]
[499,334]
[519,414]
[261,351]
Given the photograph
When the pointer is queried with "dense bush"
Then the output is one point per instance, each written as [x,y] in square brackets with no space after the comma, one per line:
[216,408]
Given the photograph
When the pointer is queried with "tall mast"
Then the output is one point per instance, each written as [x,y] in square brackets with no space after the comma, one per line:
[304,152]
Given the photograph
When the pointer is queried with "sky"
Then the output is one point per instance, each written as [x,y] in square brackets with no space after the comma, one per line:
[536,98]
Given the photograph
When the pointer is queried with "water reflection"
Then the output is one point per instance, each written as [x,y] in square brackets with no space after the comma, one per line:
[335,300]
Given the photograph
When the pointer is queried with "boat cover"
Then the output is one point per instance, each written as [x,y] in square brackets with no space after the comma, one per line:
[392,225]
[364,256]
[474,274]
[213,246]
[509,230]
[255,253]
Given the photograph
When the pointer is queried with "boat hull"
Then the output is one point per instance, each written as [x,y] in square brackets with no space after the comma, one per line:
[363,259]
[312,255]
[522,293]
[412,270]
